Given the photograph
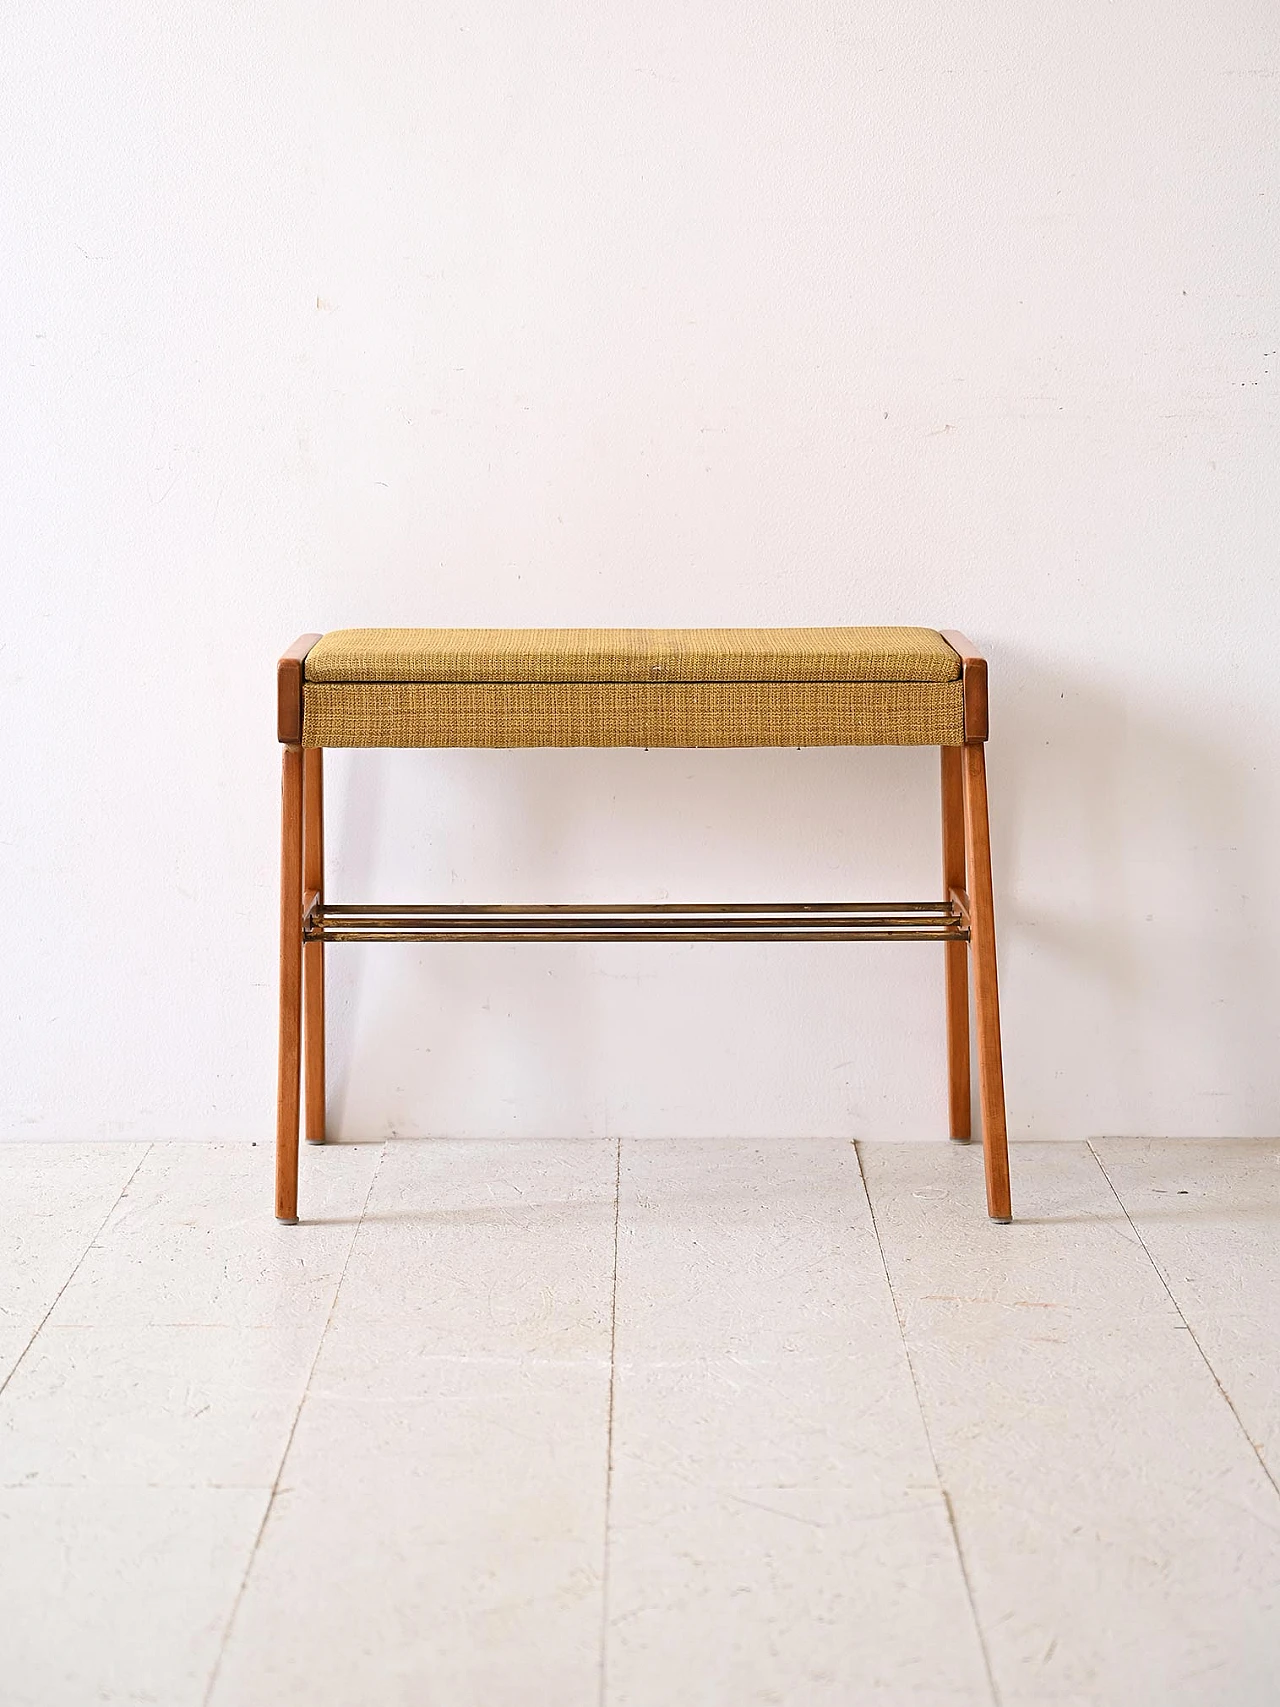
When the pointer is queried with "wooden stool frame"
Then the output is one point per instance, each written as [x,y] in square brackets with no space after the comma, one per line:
[964,921]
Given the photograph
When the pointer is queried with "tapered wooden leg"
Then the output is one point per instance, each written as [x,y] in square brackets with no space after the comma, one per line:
[290,985]
[957,953]
[995,1146]
[313,952]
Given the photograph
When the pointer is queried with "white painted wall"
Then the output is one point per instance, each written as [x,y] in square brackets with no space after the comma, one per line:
[331,314]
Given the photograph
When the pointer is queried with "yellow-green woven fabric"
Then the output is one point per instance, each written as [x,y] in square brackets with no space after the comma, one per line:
[524,655]
[632,714]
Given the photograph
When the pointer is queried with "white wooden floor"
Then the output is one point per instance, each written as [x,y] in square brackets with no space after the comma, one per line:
[645,1424]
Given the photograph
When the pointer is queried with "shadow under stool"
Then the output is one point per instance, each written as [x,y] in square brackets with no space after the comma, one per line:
[638,687]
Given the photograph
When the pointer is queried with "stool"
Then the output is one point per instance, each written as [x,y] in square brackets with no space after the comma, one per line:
[638,687]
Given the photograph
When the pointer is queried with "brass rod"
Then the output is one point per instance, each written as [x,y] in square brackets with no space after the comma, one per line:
[323,919]
[536,928]
[589,932]
[482,927]
[663,907]
[623,927]
[953,935]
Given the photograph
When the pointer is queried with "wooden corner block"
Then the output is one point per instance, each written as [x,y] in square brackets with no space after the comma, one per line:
[973,683]
[289,690]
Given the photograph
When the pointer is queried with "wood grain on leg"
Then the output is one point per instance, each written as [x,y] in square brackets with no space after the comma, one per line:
[313,952]
[957,953]
[995,1146]
[290,985]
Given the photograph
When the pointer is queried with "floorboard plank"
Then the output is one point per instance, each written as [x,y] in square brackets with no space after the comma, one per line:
[777,1532]
[188,1243]
[142,1434]
[1208,1211]
[1121,1540]
[56,1197]
[438,1536]
[118,1594]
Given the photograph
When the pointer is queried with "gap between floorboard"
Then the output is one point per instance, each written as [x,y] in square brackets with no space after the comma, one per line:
[293,1428]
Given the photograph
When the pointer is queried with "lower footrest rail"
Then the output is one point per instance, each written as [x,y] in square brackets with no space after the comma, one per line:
[734,921]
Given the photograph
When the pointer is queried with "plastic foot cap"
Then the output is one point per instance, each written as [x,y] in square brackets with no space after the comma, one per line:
[287,1220]
[961,1138]
[315,1140]
[1001,1220]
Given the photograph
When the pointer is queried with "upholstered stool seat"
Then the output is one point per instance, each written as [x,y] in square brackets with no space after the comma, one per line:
[632,687]
[638,687]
